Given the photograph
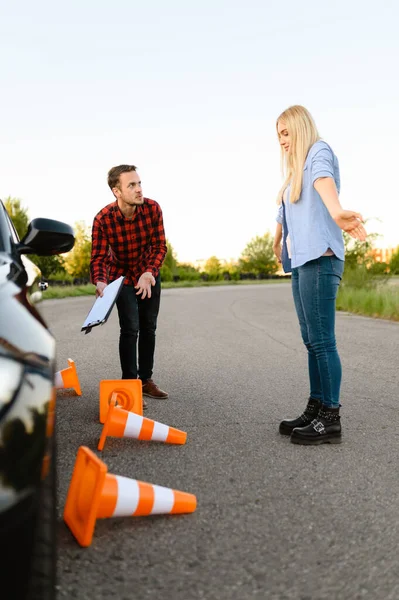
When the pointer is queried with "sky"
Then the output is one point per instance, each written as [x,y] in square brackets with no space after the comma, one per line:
[189,92]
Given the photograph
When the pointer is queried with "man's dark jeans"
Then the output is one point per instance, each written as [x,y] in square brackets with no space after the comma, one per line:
[315,286]
[138,321]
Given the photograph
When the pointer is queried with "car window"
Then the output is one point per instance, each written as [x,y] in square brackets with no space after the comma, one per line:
[8,234]
[5,245]
[14,234]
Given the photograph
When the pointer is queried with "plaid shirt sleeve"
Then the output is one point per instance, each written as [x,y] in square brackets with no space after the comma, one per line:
[99,253]
[158,243]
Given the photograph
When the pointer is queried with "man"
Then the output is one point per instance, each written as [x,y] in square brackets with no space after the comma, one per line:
[128,238]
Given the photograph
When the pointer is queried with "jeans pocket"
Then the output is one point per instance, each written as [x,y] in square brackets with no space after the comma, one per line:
[337,266]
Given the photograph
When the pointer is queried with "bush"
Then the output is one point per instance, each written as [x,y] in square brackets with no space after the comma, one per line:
[60,278]
[166,273]
[235,275]
[394,263]
[187,272]
[379,268]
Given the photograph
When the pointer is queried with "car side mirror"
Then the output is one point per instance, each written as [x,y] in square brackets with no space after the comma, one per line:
[46,237]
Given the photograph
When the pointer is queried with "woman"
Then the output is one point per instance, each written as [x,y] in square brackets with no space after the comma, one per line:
[310,222]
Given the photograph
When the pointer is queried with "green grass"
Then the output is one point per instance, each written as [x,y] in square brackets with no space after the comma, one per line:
[69,291]
[382,302]
[180,284]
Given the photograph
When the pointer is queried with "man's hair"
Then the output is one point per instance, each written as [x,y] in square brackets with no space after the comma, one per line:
[115,172]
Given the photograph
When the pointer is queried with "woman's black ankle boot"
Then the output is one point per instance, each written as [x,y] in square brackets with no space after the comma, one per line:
[325,428]
[310,412]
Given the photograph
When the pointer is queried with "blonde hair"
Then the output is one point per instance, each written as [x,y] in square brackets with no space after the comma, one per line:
[303,134]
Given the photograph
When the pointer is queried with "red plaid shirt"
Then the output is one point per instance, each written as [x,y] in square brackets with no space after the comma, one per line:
[128,247]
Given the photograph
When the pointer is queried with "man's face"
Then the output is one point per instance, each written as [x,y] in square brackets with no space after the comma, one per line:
[129,189]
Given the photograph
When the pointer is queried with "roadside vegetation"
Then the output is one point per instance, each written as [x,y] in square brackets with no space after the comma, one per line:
[369,287]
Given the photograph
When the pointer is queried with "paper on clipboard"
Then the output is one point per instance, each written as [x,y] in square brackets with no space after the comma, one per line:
[103,305]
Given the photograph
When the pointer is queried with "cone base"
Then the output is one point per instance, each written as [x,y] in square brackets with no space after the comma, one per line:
[86,486]
[130,395]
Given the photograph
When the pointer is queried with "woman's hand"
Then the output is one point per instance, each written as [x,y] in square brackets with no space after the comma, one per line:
[347,220]
[351,223]
[278,236]
[277,251]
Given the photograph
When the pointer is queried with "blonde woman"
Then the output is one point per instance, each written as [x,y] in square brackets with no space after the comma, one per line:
[309,244]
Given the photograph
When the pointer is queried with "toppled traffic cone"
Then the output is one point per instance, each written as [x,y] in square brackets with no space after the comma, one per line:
[129,395]
[94,494]
[122,423]
[68,378]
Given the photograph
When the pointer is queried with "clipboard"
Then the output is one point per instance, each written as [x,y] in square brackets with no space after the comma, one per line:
[103,305]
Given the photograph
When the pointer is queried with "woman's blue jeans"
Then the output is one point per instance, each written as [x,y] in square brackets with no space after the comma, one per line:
[314,287]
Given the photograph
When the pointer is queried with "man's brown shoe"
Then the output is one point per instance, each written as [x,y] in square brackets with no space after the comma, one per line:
[151,390]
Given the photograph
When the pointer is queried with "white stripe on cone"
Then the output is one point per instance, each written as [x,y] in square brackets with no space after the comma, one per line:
[133,425]
[58,381]
[163,501]
[128,498]
[160,432]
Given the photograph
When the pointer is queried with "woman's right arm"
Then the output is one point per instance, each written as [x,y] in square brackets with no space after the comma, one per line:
[278,236]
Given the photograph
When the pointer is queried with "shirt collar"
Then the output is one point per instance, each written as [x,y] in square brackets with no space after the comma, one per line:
[120,217]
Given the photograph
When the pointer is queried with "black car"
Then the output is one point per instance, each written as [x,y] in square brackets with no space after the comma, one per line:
[27,415]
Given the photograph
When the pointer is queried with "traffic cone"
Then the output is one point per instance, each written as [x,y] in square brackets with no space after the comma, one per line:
[122,423]
[94,494]
[130,395]
[68,378]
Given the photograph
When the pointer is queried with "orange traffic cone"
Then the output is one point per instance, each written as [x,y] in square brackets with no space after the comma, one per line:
[122,423]
[130,395]
[68,378]
[94,494]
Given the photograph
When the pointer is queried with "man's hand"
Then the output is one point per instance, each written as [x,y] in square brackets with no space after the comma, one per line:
[100,287]
[351,222]
[144,285]
[277,252]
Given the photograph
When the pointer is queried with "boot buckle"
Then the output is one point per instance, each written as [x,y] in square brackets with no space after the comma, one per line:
[318,426]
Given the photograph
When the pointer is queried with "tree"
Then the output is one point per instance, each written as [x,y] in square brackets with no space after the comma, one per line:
[18,215]
[258,256]
[169,267]
[213,268]
[49,265]
[394,262]
[77,261]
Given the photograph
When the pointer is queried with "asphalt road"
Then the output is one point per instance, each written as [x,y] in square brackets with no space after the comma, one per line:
[274,520]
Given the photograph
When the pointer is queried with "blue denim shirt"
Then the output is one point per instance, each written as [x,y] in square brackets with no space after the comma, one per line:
[311,228]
